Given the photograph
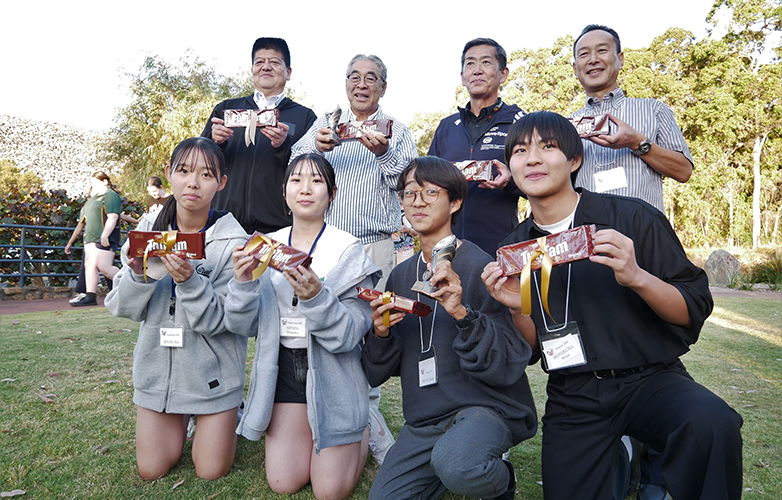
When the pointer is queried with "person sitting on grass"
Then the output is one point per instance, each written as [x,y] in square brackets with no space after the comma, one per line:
[465,394]
[186,361]
[617,325]
[307,390]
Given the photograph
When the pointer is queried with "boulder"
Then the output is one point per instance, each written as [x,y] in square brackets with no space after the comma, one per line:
[722,268]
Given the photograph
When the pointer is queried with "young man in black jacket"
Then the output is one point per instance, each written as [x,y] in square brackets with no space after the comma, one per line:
[618,323]
[466,397]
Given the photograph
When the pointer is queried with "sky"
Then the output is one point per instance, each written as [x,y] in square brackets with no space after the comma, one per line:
[65,62]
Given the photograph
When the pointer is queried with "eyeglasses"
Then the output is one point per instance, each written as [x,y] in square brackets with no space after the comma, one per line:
[369,78]
[429,195]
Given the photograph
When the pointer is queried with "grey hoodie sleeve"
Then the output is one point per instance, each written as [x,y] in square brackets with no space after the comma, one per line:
[130,298]
[241,306]
[338,323]
[203,298]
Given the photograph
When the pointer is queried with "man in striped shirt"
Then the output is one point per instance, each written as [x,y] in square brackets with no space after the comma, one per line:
[644,144]
[366,171]
[366,204]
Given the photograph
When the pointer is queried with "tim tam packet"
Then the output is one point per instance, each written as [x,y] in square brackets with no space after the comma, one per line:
[475,170]
[242,117]
[590,126]
[160,243]
[275,254]
[568,246]
[400,303]
[353,130]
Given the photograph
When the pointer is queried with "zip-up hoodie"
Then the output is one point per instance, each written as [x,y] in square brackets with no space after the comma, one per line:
[206,375]
[337,320]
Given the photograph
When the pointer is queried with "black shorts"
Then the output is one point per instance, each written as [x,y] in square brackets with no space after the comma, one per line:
[291,376]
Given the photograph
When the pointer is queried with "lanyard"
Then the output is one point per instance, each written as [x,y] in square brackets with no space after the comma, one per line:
[295,300]
[567,293]
[434,314]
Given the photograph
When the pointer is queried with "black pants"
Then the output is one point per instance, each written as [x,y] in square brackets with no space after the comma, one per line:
[697,433]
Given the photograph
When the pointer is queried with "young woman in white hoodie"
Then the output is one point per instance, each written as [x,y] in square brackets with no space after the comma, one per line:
[186,361]
[307,392]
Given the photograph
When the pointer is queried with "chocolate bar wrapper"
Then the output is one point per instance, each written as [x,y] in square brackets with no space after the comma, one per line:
[354,130]
[241,117]
[283,257]
[590,126]
[568,246]
[400,303]
[475,170]
[187,246]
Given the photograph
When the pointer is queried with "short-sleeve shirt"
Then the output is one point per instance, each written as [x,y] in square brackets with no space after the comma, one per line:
[92,214]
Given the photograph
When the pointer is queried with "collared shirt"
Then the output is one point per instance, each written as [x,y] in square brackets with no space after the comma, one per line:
[650,117]
[618,329]
[366,204]
[480,124]
[270,103]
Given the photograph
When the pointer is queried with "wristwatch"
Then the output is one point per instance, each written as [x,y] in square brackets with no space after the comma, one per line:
[643,148]
[468,320]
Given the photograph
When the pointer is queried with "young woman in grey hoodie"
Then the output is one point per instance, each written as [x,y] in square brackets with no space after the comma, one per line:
[186,361]
[307,389]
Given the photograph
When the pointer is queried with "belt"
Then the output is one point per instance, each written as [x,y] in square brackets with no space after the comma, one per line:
[615,374]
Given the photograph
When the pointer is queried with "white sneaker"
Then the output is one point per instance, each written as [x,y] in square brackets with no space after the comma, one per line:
[380,438]
[77,298]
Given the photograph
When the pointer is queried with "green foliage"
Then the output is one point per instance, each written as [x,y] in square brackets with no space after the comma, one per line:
[171,102]
[51,208]
[12,178]
[423,127]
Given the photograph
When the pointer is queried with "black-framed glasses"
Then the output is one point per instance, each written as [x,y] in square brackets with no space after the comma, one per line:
[369,78]
[429,195]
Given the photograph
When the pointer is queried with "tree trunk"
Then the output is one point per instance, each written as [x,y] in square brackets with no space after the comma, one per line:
[756,149]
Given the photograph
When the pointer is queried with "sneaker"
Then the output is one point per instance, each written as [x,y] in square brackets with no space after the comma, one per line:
[77,297]
[191,426]
[380,438]
[85,301]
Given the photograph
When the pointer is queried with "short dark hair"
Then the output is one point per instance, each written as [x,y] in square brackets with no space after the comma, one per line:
[593,27]
[551,127]
[319,165]
[439,172]
[155,181]
[499,52]
[277,44]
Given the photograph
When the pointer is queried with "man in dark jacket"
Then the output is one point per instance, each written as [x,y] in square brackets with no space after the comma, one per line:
[477,132]
[253,193]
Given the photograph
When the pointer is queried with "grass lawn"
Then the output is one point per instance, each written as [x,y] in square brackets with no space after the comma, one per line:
[81,445]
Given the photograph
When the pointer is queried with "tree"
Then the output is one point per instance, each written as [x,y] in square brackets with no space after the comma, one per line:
[753,33]
[170,102]
[12,178]
[423,127]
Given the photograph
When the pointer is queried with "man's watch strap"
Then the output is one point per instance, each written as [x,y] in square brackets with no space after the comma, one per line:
[643,148]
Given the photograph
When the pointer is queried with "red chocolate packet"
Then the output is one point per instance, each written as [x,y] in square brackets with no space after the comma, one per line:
[475,170]
[241,117]
[568,246]
[590,126]
[274,254]
[354,130]
[160,243]
[400,303]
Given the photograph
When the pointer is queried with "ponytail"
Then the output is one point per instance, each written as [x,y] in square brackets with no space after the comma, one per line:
[166,217]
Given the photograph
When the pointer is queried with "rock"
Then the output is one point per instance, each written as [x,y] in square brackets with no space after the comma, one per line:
[722,268]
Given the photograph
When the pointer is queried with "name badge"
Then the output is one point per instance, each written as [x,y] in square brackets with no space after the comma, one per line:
[427,371]
[293,327]
[561,346]
[172,336]
[609,180]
